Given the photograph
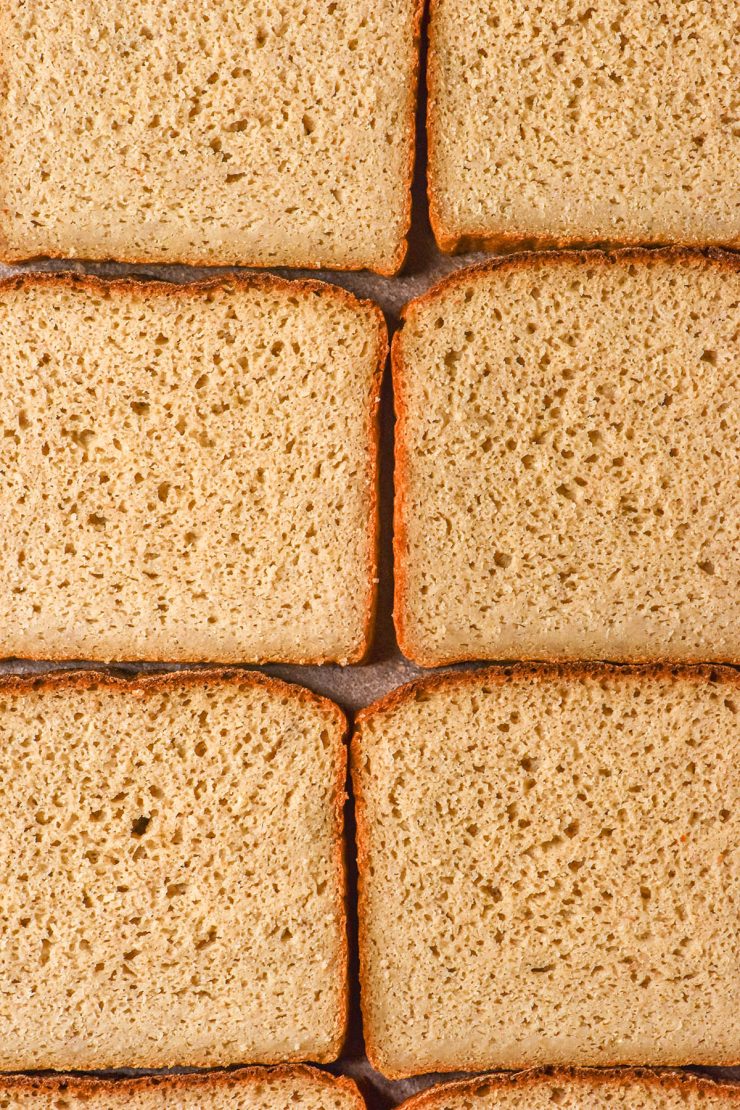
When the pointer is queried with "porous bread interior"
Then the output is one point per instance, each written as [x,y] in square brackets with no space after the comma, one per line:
[606,122]
[212,133]
[271,1090]
[188,474]
[569,446]
[549,870]
[171,883]
[585,1091]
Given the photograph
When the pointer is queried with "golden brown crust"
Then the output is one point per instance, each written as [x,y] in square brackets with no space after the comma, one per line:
[441,235]
[586,1077]
[373,438]
[401,484]
[530,241]
[498,675]
[502,674]
[88,1086]
[629,255]
[151,286]
[155,683]
[574,257]
[242,282]
[142,685]
[411,100]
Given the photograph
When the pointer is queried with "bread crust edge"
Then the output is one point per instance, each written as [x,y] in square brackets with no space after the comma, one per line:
[91,1085]
[586,1077]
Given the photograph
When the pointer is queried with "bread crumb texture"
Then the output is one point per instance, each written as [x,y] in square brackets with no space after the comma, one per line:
[259,134]
[636,1089]
[550,870]
[569,445]
[245,1089]
[171,877]
[188,472]
[603,121]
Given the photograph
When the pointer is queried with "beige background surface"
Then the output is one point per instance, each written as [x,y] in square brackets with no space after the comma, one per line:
[352,687]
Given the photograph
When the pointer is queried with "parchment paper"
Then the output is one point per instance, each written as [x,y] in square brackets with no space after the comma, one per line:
[357,686]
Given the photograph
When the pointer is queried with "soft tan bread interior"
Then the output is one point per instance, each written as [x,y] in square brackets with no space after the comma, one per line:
[569,443]
[214,132]
[245,1089]
[188,472]
[549,870]
[600,122]
[171,880]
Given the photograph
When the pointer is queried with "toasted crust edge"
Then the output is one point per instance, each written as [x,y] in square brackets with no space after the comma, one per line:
[455,240]
[142,685]
[500,676]
[416,12]
[88,1086]
[108,287]
[585,1077]
[708,256]
[509,673]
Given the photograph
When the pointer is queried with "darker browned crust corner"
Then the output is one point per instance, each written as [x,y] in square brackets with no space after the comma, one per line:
[89,1086]
[654,1078]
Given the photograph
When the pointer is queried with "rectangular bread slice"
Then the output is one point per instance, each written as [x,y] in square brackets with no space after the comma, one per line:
[188,471]
[568,445]
[243,1089]
[171,872]
[210,133]
[574,1089]
[559,124]
[549,869]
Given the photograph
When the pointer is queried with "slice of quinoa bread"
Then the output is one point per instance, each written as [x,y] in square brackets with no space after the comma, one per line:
[549,869]
[172,878]
[210,133]
[556,124]
[574,1089]
[243,1089]
[189,471]
[568,445]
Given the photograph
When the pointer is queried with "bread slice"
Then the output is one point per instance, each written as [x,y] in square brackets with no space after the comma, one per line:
[636,1088]
[243,1089]
[560,124]
[568,444]
[210,133]
[171,872]
[189,472]
[548,869]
